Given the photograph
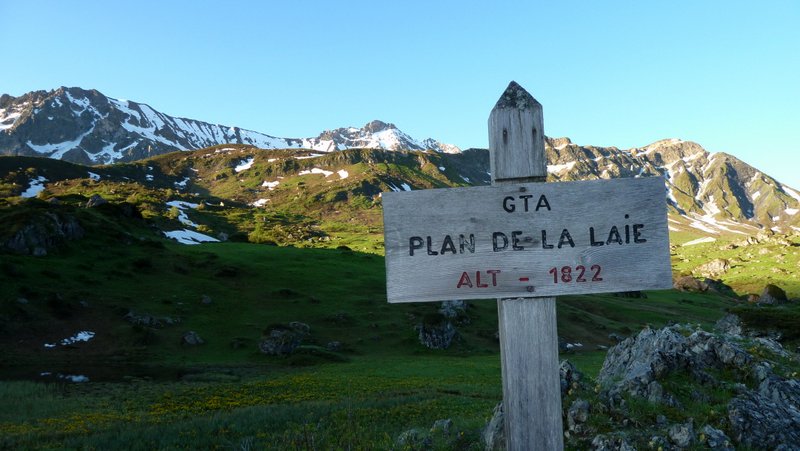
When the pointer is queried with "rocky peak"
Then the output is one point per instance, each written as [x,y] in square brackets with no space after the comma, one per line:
[378,126]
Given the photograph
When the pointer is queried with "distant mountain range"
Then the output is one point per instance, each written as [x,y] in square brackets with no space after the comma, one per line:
[707,192]
[85,126]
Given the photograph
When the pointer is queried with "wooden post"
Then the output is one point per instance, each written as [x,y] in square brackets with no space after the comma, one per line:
[528,336]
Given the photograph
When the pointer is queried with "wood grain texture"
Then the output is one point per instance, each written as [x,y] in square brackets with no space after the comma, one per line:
[528,334]
[481,212]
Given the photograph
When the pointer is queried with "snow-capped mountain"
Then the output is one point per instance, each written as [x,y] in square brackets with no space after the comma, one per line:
[711,192]
[85,126]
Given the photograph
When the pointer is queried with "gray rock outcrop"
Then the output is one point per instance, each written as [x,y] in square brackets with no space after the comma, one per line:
[283,340]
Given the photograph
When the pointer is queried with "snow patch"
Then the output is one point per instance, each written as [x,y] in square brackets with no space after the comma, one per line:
[84,335]
[182,216]
[270,185]
[343,174]
[149,177]
[406,187]
[792,192]
[182,183]
[94,176]
[270,160]
[791,211]
[554,168]
[316,171]
[441,168]
[466,179]
[36,186]
[313,155]
[707,239]
[260,202]
[244,165]
[190,237]
[756,195]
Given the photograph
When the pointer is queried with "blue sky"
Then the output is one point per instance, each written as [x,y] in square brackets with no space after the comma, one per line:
[725,74]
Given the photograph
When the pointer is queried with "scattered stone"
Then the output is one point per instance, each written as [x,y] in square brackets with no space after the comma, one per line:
[772,346]
[611,442]
[453,309]
[494,434]
[191,338]
[577,414]
[716,439]
[768,418]
[95,200]
[283,340]
[205,299]
[616,338]
[443,426]
[42,232]
[334,346]
[22,301]
[772,294]
[569,377]
[730,324]
[439,336]
[682,435]
[689,283]
[150,320]
[714,268]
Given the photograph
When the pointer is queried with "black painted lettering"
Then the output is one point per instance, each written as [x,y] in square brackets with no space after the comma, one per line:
[515,241]
[627,233]
[614,236]
[542,203]
[565,238]
[468,245]
[637,234]
[495,244]
[508,204]
[544,241]
[591,238]
[414,243]
[525,197]
[448,246]
[431,251]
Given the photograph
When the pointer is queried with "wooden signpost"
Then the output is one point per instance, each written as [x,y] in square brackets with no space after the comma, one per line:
[524,242]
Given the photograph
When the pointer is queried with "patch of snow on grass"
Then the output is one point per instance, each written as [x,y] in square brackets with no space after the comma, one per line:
[756,195]
[182,216]
[441,168]
[313,155]
[343,174]
[406,187]
[271,160]
[316,171]
[36,186]
[260,202]
[94,176]
[707,239]
[149,177]
[466,179]
[244,165]
[792,192]
[182,183]
[270,185]
[84,335]
[190,237]
[791,211]
[77,378]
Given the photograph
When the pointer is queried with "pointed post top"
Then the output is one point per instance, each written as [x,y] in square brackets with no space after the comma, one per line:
[515,96]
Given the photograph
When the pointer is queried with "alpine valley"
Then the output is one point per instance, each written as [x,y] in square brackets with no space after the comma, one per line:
[222,287]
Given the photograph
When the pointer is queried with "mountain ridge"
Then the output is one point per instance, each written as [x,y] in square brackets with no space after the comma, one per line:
[87,127]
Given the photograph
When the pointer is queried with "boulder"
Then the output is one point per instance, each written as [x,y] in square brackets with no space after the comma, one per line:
[577,415]
[772,294]
[714,268]
[689,283]
[42,232]
[729,324]
[438,336]
[716,439]
[191,338]
[494,434]
[283,340]
[682,434]
[611,442]
[95,200]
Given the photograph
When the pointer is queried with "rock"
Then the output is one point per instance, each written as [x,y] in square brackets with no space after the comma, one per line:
[222,236]
[95,201]
[334,346]
[569,377]
[730,324]
[772,346]
[689,283]
[453,309]
[611,442]
[22,301]
[577,414]
[634,366]
[443,426]
[149,320]
[191,338]
[494,434]
[768,418]
[772,294]
[205,299]
[752,298]
[413,439]
[438,336]
[714,268]
[616,338]
[283,340]
[682,435]
[716,439]
[719,287]
[43,231]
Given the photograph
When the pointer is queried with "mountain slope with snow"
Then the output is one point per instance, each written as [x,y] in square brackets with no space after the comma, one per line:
[85,126]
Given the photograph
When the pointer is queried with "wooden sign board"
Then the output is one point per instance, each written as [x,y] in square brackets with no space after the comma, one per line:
[526,240]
